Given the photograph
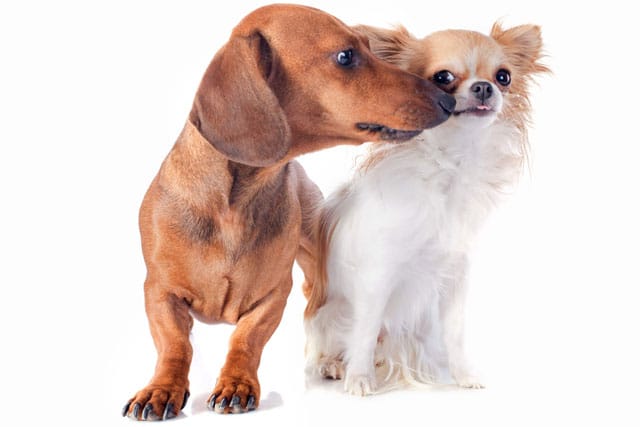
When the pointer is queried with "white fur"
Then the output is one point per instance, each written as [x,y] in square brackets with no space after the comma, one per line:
[398,257]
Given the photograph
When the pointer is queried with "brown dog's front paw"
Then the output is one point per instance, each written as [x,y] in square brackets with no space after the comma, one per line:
[155,403]
[234,396]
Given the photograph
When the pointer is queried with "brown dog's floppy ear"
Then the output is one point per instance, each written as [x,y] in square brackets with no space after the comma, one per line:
[235,108]
[391,45]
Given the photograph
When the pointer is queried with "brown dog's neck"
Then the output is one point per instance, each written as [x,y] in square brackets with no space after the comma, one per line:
[247,181]
[204,176]
[213,199]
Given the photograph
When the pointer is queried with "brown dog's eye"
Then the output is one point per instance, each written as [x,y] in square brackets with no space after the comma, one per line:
[503,77]
[345,58]
[443,77]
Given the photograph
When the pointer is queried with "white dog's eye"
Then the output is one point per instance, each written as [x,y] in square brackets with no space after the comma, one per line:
[503,77]
[443,77]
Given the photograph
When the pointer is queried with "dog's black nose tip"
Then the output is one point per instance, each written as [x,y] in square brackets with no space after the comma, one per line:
[482,90]
[447,103]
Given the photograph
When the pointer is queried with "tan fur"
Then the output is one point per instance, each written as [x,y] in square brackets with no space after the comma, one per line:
[229,211]
[524,50]
[316,295]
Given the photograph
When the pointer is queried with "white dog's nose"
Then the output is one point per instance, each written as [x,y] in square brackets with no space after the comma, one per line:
[482,90]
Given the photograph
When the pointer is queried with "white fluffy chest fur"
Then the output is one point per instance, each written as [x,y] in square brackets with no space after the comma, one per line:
[431,193]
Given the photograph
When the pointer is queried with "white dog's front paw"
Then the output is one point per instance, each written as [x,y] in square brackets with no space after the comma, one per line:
[468,380]
[471,383]
[360,385]
[465,376]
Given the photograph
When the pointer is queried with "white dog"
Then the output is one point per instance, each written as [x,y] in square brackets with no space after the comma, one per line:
[394,242]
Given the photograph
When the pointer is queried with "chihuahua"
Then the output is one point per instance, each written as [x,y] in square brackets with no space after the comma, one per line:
[394,242]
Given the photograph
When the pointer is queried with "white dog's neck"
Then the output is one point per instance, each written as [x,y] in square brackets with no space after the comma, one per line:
[497,149]
[468,134]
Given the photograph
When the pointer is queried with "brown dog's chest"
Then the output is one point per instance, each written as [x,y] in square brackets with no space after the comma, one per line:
[226,235]
[224,276]
[242,263]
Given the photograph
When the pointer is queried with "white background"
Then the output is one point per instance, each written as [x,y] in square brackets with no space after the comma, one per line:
[92,97]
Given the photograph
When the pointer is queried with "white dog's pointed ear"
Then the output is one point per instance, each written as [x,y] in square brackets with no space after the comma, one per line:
[235,107]
[391,45]
[523,46]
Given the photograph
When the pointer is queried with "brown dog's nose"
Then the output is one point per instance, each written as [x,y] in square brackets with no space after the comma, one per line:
[447,103]
[482,90]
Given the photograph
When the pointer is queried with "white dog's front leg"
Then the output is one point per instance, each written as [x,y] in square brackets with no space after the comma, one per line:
[360,366]
[452,309]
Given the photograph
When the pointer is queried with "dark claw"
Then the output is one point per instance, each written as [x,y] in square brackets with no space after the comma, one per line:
[168,412]
[235,405]
[148,408]
[125,410]
[184,401]
[136,410]
[251,403]
[212,403]
[235,401]
[223,403]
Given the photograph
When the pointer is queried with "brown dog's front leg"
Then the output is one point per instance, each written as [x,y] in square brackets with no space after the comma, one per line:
[167,392]
[237,389]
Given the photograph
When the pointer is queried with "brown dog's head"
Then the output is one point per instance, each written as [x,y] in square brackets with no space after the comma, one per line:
[293,79]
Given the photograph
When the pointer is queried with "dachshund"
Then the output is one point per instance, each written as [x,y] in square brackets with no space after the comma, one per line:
[230,210]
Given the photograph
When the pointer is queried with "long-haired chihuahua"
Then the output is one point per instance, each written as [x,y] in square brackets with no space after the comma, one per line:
[394,242]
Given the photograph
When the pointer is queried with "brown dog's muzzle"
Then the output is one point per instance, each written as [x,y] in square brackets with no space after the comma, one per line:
[436,108]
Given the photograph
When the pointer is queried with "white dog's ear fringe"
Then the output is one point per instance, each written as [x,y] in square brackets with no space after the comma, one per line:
[391,45]
[523,46]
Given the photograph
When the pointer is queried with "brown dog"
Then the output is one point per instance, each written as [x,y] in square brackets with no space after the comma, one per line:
[229,210]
